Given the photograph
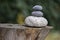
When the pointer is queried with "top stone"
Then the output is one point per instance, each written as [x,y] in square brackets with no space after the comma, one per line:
[37,7]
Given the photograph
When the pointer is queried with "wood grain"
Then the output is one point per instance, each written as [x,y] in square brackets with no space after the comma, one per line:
[19,32]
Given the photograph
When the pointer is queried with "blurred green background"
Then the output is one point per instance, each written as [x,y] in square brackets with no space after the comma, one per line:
[15,11]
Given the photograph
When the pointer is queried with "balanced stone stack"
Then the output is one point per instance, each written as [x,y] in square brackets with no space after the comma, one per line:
[36,19]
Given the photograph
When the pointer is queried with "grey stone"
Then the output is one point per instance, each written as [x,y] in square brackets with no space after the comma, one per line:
[37,13]
[37,7]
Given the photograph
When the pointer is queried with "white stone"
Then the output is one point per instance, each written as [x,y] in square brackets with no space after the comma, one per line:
[36,21]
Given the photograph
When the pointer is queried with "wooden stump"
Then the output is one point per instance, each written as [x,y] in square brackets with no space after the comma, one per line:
[18,32]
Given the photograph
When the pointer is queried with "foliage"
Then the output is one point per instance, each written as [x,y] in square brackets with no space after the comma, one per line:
[8,11]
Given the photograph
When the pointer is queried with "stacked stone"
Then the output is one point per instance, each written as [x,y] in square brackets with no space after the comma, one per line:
[37,19]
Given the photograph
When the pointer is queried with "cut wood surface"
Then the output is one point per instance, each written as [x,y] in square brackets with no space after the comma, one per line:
[19,32]
[18,26]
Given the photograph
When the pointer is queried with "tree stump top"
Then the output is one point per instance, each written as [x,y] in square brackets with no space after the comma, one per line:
[18,26]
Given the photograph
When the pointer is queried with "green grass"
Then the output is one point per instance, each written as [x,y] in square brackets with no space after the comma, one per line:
[53,36]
